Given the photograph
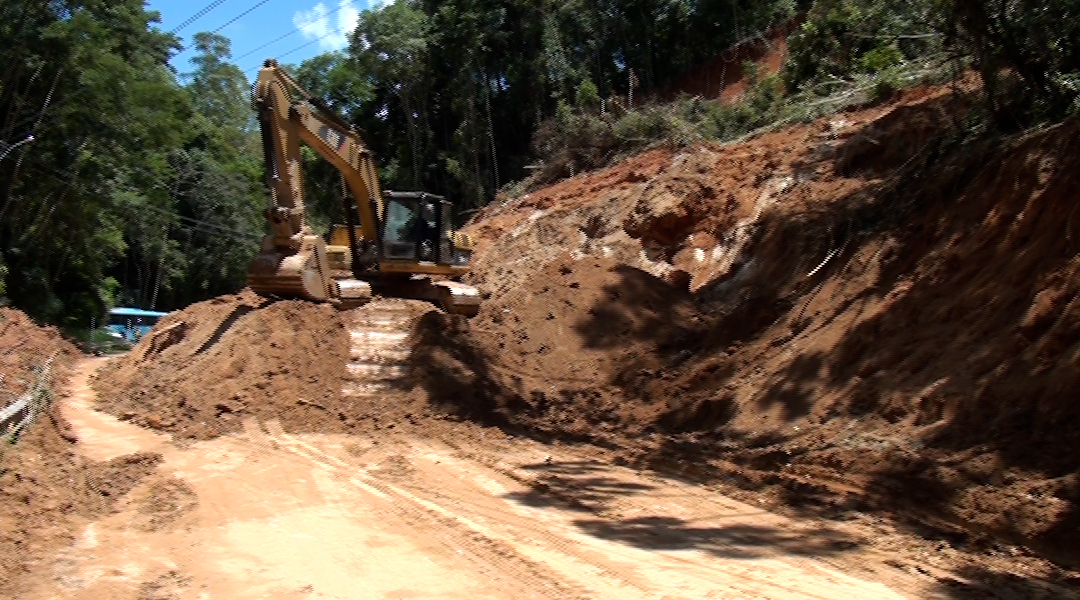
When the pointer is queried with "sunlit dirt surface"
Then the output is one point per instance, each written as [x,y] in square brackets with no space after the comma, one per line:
[465,513]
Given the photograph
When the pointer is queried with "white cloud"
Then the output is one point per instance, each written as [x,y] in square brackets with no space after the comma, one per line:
[331,28]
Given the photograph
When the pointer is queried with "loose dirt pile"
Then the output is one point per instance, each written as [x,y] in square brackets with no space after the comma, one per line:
[46,489]
[203,370]
[849,312]
[25,348]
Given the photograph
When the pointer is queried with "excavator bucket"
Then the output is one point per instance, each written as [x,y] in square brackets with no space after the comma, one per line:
[290,275]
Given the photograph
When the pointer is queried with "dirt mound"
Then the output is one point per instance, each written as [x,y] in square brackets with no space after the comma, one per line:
[162,503]
[873,318]
[47,492]
[25,347]
[529,358]
[205,368]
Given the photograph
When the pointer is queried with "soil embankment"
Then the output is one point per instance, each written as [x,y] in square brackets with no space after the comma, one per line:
[856,313]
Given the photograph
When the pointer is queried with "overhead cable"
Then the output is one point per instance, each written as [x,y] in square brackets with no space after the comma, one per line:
[277,39]
[237,17]
[197,15]
[296,29]
[326,35]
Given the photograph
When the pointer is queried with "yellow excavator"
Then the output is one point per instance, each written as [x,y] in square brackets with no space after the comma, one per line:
[393,244]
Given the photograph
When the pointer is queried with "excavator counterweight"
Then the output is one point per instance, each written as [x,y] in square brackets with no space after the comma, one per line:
[395,244]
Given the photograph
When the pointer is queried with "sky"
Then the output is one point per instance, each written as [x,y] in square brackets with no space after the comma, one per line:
[306,27]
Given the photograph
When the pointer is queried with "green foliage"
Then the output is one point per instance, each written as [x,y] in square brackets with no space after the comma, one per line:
[587,97]
[460,86]
[575,140]
[879,58]
[99,209]
[389,50]
[89,80]
[1027,52]
[842,38]
[336,80]
[219,91]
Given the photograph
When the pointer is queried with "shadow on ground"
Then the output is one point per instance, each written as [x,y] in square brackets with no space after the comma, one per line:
[975,583]
[737,541]
[577,485]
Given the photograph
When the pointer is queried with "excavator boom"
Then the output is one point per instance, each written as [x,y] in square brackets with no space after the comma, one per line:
[379,250]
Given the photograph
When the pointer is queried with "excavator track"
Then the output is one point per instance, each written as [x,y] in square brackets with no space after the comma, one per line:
[452,297]
[380,334]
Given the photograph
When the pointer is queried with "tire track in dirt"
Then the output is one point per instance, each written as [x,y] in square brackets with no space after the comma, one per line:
[477,543]
[597,566]
[447,511]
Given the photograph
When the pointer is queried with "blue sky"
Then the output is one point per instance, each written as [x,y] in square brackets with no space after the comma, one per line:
[306,27]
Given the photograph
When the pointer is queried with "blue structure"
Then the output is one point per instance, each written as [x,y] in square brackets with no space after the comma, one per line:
[132,323]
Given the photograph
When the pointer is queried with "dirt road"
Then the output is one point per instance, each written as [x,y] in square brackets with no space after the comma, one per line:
[477,514]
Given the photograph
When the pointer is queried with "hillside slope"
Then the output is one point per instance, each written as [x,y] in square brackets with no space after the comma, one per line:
[851,312]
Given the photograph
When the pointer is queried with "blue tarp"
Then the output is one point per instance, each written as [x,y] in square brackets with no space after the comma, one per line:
[135,312]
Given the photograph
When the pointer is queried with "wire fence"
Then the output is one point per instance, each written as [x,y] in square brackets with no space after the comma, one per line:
[15,417]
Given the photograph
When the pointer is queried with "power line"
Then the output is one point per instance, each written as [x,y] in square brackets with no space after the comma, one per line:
[197,15]
[326,35]
[296,29]
[197,223]
[277,39]
[237,17]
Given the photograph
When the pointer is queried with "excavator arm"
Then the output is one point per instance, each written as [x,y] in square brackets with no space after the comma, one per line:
[285,124]
[293,261]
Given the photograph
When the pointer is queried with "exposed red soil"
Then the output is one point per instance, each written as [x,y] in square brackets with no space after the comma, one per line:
[723,78]
[205,368]
[46,489]
[24,347]
[846,312]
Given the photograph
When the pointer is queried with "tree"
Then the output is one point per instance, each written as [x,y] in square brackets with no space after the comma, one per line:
[1037,42]
[840,38]
[89,80]
[390,46]
[218,89]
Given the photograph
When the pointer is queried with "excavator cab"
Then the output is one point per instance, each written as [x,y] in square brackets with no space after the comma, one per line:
[417,227]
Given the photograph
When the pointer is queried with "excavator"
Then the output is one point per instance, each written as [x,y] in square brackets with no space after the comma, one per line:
[393,244]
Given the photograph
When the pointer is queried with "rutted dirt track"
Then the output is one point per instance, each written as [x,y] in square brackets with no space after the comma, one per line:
[265,514]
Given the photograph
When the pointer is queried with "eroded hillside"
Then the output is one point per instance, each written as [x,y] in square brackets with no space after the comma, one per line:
[853,312]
